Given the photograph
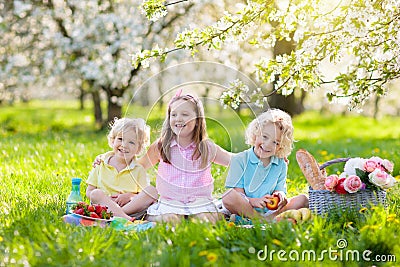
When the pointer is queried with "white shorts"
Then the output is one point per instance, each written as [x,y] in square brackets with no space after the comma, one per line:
[164,206]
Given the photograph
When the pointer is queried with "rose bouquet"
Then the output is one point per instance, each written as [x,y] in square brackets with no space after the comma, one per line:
[359,173]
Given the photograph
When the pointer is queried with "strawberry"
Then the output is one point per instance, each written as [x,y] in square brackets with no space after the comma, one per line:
[94,215]
[90,208]
[98,209]
[80,204]
[79,211]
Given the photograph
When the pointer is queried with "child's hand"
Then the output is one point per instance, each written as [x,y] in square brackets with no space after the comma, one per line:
[122,199]
[96,161]
[282,199]
[259,202]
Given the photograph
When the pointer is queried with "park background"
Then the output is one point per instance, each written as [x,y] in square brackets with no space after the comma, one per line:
[66,72]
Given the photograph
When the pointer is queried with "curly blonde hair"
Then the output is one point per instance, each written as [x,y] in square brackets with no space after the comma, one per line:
[139,126]
[282,120]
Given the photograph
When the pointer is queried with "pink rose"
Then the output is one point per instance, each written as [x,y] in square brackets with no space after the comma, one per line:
[331,181]
[352,184]
[379,178]
[388,165]
[372,164]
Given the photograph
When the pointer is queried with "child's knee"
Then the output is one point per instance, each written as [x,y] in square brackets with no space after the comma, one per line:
[302,200]
[151,192]
[305,201]
[96,195]
[230,199]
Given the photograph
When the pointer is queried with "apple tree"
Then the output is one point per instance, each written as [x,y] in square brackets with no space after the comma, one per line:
[362,37]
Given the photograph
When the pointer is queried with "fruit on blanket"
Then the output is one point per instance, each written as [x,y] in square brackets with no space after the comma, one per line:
[94,215]
[79,211]
[273,204]
[305,214]
[295,214]
[99,209]
[300,215]
[94,211]
[90,208]
[80,205]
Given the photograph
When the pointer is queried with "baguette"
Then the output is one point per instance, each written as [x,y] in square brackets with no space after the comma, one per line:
[310,169]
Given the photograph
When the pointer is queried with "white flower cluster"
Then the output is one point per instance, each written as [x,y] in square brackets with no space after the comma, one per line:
[154,9]
[145,57]
[238,92]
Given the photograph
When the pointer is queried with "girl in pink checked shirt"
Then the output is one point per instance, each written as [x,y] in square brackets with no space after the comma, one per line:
[184,154]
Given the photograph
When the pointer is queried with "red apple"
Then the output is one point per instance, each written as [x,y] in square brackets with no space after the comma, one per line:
[273,203]
[339,188]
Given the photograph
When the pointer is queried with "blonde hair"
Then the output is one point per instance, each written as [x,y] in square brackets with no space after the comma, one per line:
[199,133]
[139,126]
[282,120]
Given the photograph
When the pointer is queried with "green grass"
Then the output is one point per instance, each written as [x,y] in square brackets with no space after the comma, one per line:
[44,144]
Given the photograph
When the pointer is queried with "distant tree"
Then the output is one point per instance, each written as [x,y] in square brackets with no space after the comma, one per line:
[363,36]
[19,68]
[84,44]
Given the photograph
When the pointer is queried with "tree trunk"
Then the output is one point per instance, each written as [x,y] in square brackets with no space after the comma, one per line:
[205,98]
[98,114]
[292,104]
[81,99]
[114,110]
[376,107]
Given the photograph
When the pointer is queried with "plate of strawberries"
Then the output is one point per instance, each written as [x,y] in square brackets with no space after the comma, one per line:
[94,212]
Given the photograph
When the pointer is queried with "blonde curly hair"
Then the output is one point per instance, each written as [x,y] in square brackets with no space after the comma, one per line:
[282,120]
[139,126]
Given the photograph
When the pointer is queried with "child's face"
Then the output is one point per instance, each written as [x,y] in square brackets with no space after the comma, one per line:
[182,119]
[126,145]
[267,141]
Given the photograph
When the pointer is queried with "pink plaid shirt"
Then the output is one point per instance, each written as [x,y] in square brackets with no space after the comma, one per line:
[183,179]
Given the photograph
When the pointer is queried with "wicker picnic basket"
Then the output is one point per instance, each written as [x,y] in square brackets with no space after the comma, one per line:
[323,201]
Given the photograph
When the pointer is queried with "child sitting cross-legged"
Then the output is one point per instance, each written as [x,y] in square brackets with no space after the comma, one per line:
[258,174]
[184,155]
[117,180]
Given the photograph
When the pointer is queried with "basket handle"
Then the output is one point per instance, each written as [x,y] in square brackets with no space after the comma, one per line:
[333,161]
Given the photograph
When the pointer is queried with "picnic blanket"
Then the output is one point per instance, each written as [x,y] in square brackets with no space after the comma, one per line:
[118,223]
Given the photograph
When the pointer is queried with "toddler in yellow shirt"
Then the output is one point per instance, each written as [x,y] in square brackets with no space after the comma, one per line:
[118,181]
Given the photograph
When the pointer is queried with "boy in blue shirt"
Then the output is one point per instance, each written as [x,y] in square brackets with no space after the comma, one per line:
[258,174]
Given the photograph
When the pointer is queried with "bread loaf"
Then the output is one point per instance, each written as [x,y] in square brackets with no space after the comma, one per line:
[310,169]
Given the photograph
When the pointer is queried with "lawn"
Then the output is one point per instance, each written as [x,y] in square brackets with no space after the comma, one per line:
[45,144]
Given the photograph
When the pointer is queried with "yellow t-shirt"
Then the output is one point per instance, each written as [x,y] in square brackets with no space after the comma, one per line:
[132,179]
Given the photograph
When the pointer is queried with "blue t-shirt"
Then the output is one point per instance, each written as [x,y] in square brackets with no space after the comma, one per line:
[248,172]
